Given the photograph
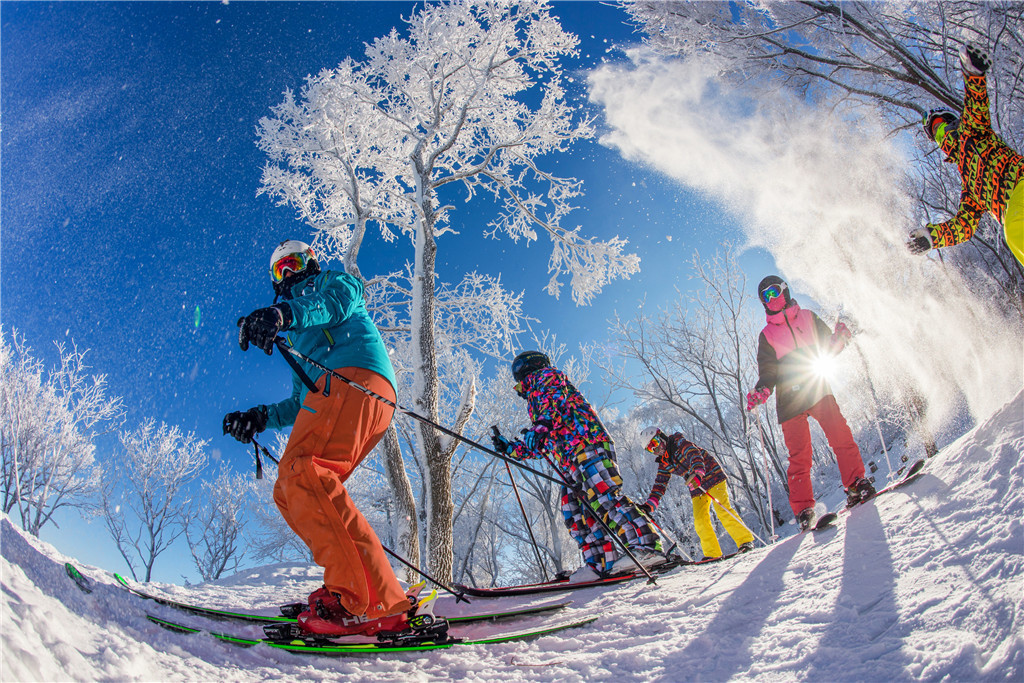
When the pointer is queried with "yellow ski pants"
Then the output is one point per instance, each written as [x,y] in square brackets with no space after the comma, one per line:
[1013,221]
[702,505]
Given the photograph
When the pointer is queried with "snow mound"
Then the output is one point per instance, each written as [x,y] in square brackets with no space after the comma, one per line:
[923,583]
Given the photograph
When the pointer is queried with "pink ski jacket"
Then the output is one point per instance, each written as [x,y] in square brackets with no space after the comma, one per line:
[786,350]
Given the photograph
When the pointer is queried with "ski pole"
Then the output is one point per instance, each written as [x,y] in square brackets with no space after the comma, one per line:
[459,595]
[885,450]
[256,446]
[288,352]
[731,513]
[526,520]
[767,472]
[675,541]
[597,518]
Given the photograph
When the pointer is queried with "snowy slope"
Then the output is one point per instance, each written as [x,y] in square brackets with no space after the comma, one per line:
[925,583]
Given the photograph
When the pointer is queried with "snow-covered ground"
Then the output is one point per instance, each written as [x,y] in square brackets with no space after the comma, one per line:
[925,583]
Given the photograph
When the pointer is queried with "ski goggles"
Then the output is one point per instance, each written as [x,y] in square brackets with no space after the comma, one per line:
[772,292]
[942,130]
[291,263]
[657,444]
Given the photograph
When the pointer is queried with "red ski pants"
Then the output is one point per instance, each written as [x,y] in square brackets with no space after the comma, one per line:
[332,434]
[797,433]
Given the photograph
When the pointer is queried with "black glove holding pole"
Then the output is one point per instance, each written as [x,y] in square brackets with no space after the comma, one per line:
[243,425]
[262,326]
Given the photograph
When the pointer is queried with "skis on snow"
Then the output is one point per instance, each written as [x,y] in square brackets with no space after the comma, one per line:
[563,584]
[78,577]
[325,646]
[826,521]
[247,617]
[913,473]
[283,633]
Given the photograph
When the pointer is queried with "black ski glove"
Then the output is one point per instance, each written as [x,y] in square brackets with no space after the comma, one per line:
[920,241]
[262,326]
[244,425]
[502,445]
[974,60]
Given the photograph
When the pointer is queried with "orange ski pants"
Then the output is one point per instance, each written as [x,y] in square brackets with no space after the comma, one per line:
[332,434]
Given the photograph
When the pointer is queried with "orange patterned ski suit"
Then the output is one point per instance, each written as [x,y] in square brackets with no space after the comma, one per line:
[991,173]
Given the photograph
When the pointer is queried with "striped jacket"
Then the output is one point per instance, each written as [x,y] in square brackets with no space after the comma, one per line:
[684,459]
[989,169]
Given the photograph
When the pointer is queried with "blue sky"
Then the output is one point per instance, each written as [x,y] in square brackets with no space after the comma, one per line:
[129,174]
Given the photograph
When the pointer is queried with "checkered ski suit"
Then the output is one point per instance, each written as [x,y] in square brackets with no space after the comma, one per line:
[570,432]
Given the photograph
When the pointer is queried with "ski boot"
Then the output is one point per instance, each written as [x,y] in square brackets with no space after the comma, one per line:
[648,559]
[324,616]
[807,518]
[421,626]
[745,547]
[585,574]
[860,491]
[316,599]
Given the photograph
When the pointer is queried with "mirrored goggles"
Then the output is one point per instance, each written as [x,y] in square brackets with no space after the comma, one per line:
[772,292]
[657,443]
[292,263]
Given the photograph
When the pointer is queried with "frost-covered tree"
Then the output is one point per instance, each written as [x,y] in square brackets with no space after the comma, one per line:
[898,59]
[469,97]
[48,423]
[478,317]
[217,526]
[147,500]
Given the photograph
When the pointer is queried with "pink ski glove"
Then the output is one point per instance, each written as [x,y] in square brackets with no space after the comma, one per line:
[757,397]
[841,336]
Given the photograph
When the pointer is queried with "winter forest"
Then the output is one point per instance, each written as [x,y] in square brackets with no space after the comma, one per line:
[801,121]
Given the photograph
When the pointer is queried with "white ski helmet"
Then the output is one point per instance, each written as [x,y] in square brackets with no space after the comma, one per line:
[648,434]
[291,261]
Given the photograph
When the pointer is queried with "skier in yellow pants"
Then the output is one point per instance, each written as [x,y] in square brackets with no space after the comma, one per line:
[708,487]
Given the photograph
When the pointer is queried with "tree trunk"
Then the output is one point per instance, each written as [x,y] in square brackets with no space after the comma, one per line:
[406,527]
[440,508]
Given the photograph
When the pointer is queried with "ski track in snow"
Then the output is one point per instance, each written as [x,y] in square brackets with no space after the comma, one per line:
[923,584]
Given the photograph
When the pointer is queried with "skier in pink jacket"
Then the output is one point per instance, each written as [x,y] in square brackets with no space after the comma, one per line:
[787,349]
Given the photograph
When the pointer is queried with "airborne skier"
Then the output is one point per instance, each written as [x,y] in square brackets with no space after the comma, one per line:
[990,171]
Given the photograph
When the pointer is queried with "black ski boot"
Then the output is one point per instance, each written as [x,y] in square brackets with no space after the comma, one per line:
[807,518]
[860,491]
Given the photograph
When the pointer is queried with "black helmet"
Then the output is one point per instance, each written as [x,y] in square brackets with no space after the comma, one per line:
[527,363]
[774,286]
